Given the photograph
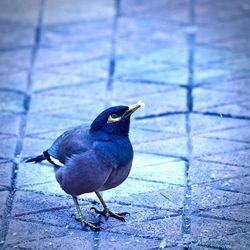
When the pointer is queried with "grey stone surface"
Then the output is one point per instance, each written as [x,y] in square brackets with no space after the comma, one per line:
[12,62]
[206,197]
[171,197]
[63,62]
[234,241]
[210,146]
[169,147]
[7,152]
[31,203]
[9,125]
[20,231]
[58,242]
[3,200]
[215,172]
[6,172]
[153,228]
[238,213]
[76,11]
[207,229]
[11,102]
[109,240]
[17,81]
[235,157]
[17,11]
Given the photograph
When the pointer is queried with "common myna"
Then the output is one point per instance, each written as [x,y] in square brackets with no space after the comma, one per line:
[93,158]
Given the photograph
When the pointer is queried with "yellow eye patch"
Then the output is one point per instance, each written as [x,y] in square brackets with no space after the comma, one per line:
[111,119]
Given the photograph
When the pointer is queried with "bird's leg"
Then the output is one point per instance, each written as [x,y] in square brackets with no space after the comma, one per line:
[106,211]
[82,219]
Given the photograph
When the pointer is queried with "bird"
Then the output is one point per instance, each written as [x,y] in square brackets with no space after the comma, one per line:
[93,158]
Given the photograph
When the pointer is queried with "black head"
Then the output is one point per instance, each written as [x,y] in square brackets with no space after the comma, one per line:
[114,120]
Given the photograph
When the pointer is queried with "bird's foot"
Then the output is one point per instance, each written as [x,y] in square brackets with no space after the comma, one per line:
[85,223]
[107,213]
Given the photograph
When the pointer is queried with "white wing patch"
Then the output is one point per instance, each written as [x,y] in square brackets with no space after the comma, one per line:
[56,162]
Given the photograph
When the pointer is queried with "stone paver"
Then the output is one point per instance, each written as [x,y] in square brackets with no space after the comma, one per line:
[62,62]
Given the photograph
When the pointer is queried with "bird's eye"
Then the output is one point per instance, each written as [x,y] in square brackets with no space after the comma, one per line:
[113,118]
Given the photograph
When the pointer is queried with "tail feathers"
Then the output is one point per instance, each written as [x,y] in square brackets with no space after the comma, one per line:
[37,159]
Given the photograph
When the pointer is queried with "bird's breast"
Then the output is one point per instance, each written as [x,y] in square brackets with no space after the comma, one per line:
[118,152]
[120,155]
[116,177]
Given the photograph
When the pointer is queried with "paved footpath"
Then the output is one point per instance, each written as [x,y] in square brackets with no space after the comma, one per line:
[62,62]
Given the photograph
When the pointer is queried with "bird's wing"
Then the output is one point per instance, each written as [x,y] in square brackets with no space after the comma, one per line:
[71,142]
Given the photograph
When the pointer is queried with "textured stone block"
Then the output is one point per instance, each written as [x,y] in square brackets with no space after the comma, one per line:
[153,228]
[20,11]
[80,240]
[204,198]
[7,150]
[238,157]
[71,74]
[175,147]
[3,200]
[12,62]
[210,146]
[20,35]
[217,233]
[171,197]
[235,213]
[5,174]
[31,204]
[23,231]
[9,125]
[209,172]
[170,172]
[174,11]
[76,11]
[80,33]
[11,102]
[113,241]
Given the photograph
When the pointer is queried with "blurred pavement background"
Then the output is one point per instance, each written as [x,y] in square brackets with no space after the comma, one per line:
[62,62]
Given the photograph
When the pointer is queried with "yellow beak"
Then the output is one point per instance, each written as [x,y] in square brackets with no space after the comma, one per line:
[133,108]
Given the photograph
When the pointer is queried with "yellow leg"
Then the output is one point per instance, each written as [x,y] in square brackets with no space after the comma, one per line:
[82,219]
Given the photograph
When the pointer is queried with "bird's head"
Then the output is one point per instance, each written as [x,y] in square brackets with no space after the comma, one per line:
[115,120]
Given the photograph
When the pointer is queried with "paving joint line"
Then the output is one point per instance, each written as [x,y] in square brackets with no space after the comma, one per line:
[232,191]
[50,67]
[223,163]
[29,241]
[223,139]
[42,211]
[221,152]
[212,247]
[22,127]
[200,184]
[186,212]
[155,181]
[207,216]
[198,210]
[161,115]
[112,58]
[246,99]
[181,158]
[150,82]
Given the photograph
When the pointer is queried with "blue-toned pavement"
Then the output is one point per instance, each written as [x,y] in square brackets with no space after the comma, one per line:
[63,62]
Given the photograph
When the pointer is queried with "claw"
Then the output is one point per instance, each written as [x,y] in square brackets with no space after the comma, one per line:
[107,213]
[93,225]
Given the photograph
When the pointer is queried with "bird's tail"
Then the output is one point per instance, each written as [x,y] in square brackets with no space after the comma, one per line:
[37,159]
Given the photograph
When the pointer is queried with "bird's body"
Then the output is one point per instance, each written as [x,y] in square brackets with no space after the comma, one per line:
[85,154]
[95,157]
